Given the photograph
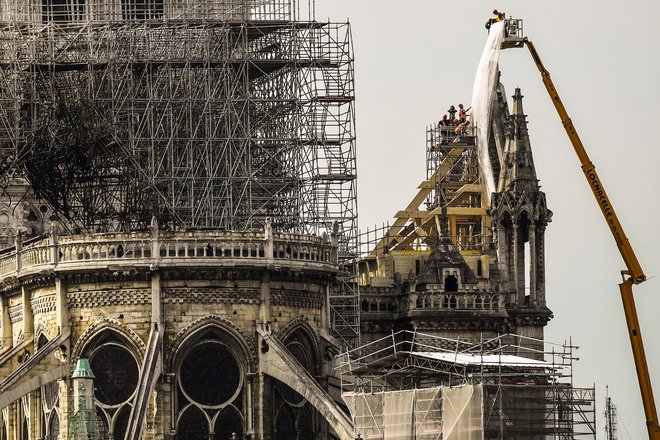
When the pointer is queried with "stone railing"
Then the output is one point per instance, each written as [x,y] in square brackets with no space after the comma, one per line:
[390,300]
[161,248]
[381,300]
[456,301]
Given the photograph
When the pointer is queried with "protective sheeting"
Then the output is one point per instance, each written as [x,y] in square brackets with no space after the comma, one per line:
[424,414]
[428,414]
[462,413]
[397,414]
[367,412]
[504,360]
[483,92]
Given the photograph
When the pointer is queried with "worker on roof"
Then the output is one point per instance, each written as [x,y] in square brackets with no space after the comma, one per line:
[445,122]
[462,113]
[461,129]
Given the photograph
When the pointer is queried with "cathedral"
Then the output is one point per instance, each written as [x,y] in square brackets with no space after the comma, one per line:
[180,255]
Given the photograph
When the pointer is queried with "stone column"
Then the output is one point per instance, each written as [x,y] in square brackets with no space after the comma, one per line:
[541,265]
[28,317]
[533,257]
[325,309]
[520,291]
[35,415]
[64,407]
[12,421]
[5,324]
[18,243]
[156,300]
[249,406]
[503,253]
[61,305]
[264,415]
[264,299]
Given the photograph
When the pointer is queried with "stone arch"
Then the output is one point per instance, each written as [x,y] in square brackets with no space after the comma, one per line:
[224,419]
[505,215]
[186,336]
[211,358]
[192,417]
[301,325]
[525,214]
[115,353]
[134,342]
[40,333]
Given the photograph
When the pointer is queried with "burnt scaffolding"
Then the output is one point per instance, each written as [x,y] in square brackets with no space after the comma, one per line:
[204,114]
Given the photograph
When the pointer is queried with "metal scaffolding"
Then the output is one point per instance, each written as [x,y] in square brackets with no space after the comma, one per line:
[437,387]
[202,113]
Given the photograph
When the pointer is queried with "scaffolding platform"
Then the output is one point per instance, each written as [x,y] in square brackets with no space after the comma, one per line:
[207,114]
[423,386]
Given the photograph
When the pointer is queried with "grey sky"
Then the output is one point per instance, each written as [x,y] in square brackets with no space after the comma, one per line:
[415,58]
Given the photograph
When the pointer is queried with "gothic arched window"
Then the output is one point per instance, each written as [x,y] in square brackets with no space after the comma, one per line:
[209,392]
[117,373]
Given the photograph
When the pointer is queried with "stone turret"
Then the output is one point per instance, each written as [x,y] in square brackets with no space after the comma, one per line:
[84,405]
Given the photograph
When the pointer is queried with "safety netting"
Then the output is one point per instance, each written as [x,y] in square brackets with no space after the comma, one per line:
[483,93]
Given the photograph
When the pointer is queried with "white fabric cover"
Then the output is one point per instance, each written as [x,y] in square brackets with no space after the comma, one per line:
[398,415]
[424,414]
[483,93]
[462,413]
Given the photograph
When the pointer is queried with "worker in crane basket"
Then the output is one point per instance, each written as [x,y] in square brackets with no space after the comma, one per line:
[497,16]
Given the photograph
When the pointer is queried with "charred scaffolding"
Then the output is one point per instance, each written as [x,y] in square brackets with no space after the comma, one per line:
[205,114]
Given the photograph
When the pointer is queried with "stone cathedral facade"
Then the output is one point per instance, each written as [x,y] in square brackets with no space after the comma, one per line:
[218,332]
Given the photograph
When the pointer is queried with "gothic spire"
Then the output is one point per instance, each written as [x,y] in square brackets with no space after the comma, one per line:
[518,173]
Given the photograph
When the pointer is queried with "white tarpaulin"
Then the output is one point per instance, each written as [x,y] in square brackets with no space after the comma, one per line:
[424,414]
[397,415]
[483,93]
[367,412]
[428,414]
[462,413]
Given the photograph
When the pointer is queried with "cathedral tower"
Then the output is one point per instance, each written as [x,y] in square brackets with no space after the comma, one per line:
[520,216]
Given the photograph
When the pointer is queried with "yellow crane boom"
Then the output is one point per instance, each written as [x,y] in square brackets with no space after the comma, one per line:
[633,274]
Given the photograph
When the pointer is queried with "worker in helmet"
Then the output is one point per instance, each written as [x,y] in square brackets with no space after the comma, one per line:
[462,113]
[445,121]
[497,16]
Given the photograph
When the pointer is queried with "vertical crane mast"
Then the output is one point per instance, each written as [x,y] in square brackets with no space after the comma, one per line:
[633,273]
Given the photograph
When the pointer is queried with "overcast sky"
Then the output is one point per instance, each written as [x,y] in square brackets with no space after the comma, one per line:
[414,58]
